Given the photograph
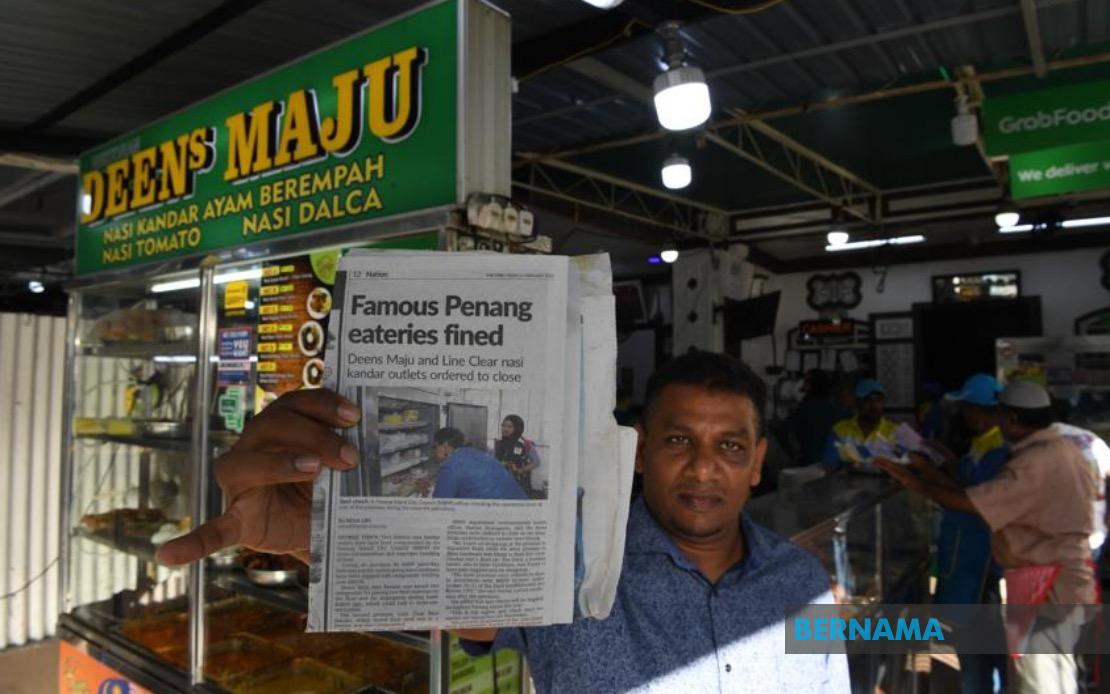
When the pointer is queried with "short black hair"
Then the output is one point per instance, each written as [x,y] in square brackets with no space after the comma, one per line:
[712,371]
[1033,418]
[450,436]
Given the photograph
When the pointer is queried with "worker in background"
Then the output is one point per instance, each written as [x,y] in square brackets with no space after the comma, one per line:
[815,415]
[1097,454]
[930,414]
[855,440]
[966,575]
[1039,509]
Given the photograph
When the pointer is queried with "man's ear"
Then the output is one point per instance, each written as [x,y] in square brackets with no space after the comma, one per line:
[640,439]
[757,461]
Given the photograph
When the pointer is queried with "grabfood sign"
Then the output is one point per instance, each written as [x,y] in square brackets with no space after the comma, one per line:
[1045,119]
[367,128]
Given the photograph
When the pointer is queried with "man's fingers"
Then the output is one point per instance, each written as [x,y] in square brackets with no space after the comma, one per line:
[323,405]
[220,532]
[244,470]
[287,429]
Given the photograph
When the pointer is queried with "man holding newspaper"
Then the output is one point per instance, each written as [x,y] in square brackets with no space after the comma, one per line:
[701,598]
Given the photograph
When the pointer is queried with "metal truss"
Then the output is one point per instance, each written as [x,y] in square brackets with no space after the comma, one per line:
[792,162]
[596,190]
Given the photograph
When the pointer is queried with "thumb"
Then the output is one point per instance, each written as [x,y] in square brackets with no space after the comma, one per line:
[222,531]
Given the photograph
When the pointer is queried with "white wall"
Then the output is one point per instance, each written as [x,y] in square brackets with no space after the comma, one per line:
[1068,282]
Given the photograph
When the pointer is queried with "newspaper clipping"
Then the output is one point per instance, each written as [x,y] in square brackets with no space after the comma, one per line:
[462,511]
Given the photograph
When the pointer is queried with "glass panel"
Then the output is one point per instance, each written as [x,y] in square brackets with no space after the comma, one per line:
[132,399]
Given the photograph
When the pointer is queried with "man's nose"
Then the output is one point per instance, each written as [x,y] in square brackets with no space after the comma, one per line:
[702,462]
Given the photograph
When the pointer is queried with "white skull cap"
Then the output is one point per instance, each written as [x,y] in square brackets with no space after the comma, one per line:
[1025,395]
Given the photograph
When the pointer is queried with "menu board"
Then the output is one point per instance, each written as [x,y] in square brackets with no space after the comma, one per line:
[294,300]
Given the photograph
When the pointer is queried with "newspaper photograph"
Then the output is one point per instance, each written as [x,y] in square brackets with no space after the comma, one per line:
[462,511]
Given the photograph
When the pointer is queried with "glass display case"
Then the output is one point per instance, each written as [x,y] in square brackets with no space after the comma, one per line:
[165,369]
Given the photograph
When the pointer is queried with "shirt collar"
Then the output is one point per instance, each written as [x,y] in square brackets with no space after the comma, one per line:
[1036,438]
[646,536]
[987,441]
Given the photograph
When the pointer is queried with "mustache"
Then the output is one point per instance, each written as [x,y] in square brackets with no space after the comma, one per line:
[699,490]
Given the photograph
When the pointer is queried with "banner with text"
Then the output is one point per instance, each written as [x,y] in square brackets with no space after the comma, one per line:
[365,129]
[1048,118]
[1070,169]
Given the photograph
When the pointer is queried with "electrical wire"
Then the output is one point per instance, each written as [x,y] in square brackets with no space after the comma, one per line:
[592,49]
[736,10]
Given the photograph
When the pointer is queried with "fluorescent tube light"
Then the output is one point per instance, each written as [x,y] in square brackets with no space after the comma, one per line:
[875,243]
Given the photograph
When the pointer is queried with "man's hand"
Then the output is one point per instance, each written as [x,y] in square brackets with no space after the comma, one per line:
[267,478]
[899,473]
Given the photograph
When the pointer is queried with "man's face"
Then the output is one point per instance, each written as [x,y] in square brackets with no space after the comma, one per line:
[700,454]
[442,450]
[506,429]
[871,407]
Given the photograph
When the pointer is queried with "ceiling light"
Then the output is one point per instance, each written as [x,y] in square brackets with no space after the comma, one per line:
[682,98]
[654,260]
[1087,222]
[669,254]
[837,238]
[175,285]
[1015,229]
[1007,216]
[36,287]
[676,172]
[604,4]
[86,203]
[875,243]
[965,127]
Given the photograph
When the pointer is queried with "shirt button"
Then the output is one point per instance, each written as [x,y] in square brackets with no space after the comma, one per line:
[728,668]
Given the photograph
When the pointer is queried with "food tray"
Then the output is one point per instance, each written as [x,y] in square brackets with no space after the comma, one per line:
[300,676]
[161,634]
[315,645]
[382,663]
[240,655]
[234,615]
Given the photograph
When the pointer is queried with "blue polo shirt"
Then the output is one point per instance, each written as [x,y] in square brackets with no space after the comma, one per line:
[670,630]
[472,474]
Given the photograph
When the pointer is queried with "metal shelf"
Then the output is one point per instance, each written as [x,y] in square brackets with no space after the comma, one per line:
[401,426]
[294,598]
[141,441]
[140,350]
[143,549]
[386,472]
[388,451]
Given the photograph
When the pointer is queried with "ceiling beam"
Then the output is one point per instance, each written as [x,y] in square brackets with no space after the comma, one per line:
[178,40]
[839,102]
[878,37]
[1033,35]
[780,154]
[50,145]
[38,163]
[17,240]
[27,185]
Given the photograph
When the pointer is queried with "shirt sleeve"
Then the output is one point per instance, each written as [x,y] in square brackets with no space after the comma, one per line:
[1012,493]
[533,455]
[447,483]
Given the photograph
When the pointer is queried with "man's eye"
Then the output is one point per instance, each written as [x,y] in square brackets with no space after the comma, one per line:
[678,439]
[732,446]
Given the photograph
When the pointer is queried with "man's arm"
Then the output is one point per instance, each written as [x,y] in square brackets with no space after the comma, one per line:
[482,635]
[947,495]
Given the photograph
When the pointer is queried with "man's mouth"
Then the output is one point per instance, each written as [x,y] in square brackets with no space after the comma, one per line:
[699,501]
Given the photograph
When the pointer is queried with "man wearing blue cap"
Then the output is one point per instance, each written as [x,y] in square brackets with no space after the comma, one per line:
[965,573]
[855,440]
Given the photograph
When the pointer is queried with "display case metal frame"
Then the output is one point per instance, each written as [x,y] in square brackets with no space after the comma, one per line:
[129,658]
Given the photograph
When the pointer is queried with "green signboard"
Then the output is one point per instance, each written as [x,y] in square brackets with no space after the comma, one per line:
[369,128]
[1049,118]
[1059,170]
